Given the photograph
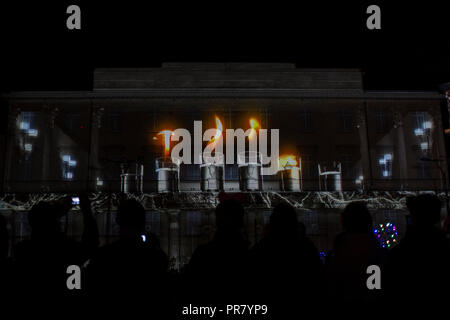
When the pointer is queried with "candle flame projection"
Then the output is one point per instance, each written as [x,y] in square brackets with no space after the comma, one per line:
[253,155]
[167,168]
[218,135]
[166,140]
[290,176]
[212,167]
[254,125]
[250,162]
[214,149]
[288,161]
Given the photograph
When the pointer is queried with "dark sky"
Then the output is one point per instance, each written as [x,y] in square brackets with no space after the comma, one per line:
[412,51]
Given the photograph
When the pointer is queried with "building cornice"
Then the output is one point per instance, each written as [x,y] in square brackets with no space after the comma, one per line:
[221,93]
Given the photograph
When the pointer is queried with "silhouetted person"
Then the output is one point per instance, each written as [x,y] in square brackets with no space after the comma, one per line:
[90,238]
[4,247]
[285,265]
[354,250]
[216,270]
[4,241]
[41,262]
[129,273]
[418,269]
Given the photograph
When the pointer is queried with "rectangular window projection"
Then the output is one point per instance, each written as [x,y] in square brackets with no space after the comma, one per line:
[27,120]
[72,121]
[422,130]
[25,168]
[385,165]
[68,166]
[231,172]
[347,166]
[381,121]
[305,123]
[346,119]
[115,122]
[27,124]
[423,170]
[308,168]
[418,120]
[190,172]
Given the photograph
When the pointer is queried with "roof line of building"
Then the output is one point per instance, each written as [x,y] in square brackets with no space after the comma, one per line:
[222,93]
[204,68]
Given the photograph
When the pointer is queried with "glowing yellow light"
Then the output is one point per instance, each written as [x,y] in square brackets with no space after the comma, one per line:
[218,135]
[254,125]
[219,129]
[287,161]
[166,139]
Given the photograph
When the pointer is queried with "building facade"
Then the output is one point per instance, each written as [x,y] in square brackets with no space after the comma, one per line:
[382,141]
[70,141]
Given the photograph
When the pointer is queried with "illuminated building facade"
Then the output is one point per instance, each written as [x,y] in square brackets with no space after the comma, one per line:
[66,142]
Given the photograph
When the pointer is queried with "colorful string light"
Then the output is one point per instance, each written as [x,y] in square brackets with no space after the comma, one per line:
[386,234]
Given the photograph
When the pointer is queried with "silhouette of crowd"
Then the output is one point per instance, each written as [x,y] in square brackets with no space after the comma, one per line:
[283,270]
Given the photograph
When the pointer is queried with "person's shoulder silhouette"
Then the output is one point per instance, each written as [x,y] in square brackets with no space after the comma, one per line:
[285,261]
[41,262]
[354,250]
[418,267]
[285,234]
[4,241]
[132,262]
[222,262]
[357,233]
[4,248]
[286,246]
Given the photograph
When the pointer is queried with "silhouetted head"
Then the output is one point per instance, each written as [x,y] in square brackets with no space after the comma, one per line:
[284,220]
[44,218]
[131,216]
[356,218]
[230,216]
[425,209]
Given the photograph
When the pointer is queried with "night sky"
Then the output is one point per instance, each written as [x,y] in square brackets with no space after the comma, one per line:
[411,51]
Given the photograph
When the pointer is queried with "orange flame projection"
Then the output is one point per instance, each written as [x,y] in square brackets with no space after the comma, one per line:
[211,146]
[254,125]
[219,130]
[287,161]
[166,139]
